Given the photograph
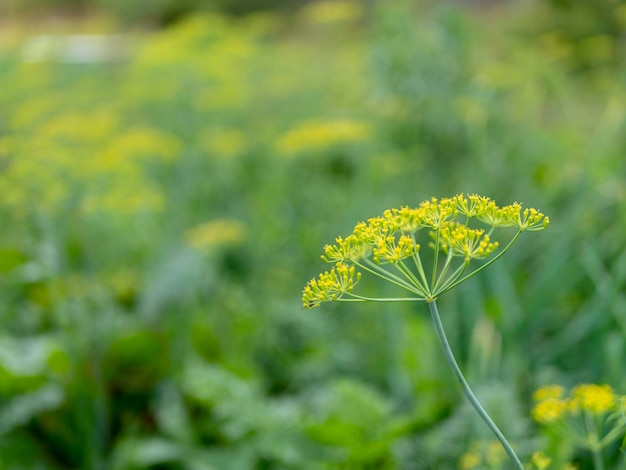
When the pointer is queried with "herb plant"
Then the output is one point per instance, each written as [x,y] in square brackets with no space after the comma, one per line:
[457,231]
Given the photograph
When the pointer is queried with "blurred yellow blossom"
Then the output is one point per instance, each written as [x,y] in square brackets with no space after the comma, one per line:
[596,399]
[550,409]
[124,200]
[549,391]
[215,233]
[329,11]
[482,455]
[470,460]
[223,142]
[585,416]
[540,460]
[495,454]
[317,134]
[93,126]
[142,142]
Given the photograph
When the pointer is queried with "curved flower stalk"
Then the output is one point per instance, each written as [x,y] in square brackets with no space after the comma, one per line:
[462,235]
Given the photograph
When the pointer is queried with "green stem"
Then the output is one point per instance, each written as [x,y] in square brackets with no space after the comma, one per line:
[386,275]
[432,306]
[592,436]
[400,266]
[361,298]
[476,271]
[597,459]
[436,259]
[420,268]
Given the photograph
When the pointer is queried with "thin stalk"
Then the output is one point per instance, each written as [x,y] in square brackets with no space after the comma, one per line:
[420,268]
[386,275]
[592,436]
[400,266]
[432,306]
[492,260]
[436,259]
[597,459]
[444,270]
[458,272]
[360,298]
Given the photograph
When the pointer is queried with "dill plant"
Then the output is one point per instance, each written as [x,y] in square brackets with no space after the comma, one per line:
[590,416]
[461,234]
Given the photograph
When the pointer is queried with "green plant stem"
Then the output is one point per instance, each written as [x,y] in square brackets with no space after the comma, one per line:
[476,271]
[432,306]
[597,459]
[592,436]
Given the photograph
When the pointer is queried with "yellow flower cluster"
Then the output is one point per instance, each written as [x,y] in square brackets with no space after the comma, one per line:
[588,416]
[540,460]
[325,12]
[215,233]
[552,404]
[318,134]
[98,147]
[597,399]
[482,455]
[331,285]
[387,246]
[469,243]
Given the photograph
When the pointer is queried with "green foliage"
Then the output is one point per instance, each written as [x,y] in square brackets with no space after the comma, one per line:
[161,212]
[586,35]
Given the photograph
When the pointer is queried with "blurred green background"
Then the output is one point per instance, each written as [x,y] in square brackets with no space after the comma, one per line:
[169,173]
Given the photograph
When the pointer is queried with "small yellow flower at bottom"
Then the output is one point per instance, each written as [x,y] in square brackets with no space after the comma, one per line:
[540,460]
[470,460]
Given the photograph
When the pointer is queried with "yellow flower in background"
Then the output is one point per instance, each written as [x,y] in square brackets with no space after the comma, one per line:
[585,417]
[215,233]
[552,404]
[549,391]
[318,134]
[223,143]
[31,110]
[483,455]
[92,126]
[140,143]
[550,410]
[495,454]
[470,460]
[540,460]
[596,399]
[326,12]
[126,200]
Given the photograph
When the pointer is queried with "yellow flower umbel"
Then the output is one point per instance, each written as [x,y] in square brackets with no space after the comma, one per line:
[457,231]
[589,416]
[483,456]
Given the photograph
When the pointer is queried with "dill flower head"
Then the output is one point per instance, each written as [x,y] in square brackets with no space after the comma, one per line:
[552,403]
[596,399]
[550,410]
[588,415]
[458,231]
